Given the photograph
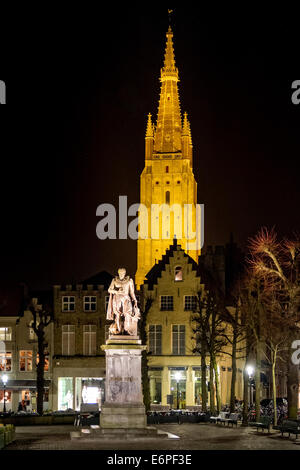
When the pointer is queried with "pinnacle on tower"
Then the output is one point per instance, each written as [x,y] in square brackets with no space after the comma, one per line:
[190,132]
[185,125]
[149,130]
[169,62]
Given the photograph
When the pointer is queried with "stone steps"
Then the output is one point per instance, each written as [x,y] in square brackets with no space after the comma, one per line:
[97,433]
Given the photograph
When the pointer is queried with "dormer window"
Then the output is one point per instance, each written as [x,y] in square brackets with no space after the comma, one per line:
[178,273]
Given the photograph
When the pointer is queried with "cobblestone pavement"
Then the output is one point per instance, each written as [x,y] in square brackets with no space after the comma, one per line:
[192,437]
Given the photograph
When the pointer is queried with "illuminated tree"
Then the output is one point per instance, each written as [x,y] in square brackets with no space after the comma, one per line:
[274,266]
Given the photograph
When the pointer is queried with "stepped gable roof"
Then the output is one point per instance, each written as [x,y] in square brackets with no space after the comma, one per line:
[155,272]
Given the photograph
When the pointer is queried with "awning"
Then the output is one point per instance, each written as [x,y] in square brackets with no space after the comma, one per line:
[24,384]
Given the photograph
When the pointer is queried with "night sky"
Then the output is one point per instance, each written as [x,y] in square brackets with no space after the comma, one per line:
[79,87]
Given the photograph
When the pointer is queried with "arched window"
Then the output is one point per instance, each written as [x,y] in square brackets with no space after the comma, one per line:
[167,197]
[178,273]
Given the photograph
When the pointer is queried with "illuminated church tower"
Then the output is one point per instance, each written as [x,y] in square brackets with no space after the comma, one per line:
[167,178]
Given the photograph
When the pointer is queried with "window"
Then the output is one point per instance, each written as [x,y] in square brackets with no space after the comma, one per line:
[178,273]
[166,302]
[32,336]
[89,340]
[89,303]
[5,361]
[167,197]
[7,397]
[65,393]
[106,302]
[178,339]
[5,334]
[68,303]
[155,336]
[68,340]
[46,365]
[167,169]
[190,302]
[25,361]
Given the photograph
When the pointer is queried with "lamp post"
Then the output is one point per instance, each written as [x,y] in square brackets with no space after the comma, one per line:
[4,380]
[177,378]
[250,371]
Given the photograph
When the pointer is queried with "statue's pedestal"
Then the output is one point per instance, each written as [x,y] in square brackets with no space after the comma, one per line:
[123,408]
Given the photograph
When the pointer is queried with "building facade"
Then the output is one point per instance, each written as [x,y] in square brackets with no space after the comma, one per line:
[19,355]
[173,284]
[79,332]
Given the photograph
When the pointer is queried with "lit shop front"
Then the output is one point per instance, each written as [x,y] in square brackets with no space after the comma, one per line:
[73,391]
[20,395]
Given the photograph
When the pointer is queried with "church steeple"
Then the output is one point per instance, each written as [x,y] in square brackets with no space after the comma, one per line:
[167,179]
[168,128]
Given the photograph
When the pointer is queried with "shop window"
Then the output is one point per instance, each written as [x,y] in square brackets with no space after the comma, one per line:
[178,273]
[155,339]
[178,339]
[5,334]
[178,388]
[89,340]
[90,303]
[65,393]
[8,397]
[68,303]
[5,361]
[25,361]
[68,340]
[155,382]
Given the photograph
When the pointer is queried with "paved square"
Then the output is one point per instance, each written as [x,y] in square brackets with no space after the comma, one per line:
[202,436]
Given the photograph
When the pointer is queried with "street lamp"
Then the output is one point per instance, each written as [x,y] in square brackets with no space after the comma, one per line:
[4,380]
[250,372]
[177,378]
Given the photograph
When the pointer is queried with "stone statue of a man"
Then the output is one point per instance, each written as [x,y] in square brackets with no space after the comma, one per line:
[125,316]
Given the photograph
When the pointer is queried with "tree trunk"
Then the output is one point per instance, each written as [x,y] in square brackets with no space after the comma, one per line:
[274,389]
[233,368]
[217,381]
[145,368]
[257,381]
[246,383]
[245,397]
[40,385]
[203,376]
[292,387]
[212,404]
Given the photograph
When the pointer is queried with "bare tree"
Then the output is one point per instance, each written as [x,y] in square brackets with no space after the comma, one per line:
[276,265]
[42,317]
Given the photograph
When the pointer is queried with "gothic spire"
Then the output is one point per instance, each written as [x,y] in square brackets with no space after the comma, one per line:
[168,129]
